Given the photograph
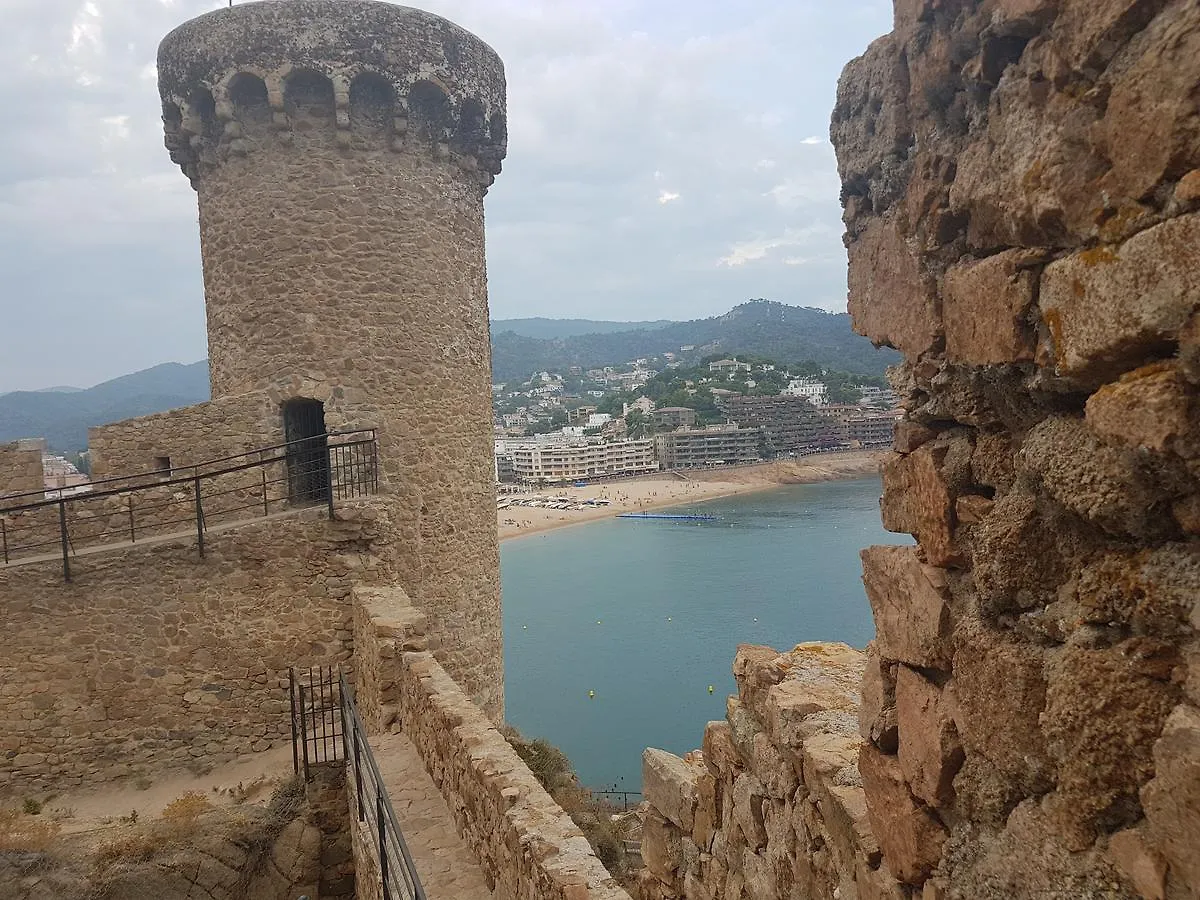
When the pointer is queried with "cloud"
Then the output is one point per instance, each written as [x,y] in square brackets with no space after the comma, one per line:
[759,249]
[813,140]
[101,235]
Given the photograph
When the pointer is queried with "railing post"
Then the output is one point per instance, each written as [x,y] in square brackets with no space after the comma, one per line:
[199,516]
[329,477]
[304,733]
[62,527]
[4,540]
[362,814]
[381,818]
[292,696]
[263,470]
[132,534]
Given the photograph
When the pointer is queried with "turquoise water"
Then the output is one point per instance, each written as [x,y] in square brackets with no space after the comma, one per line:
[648,614]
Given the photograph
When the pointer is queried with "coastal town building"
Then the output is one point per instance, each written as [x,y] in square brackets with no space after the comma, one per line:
[642,404]
[728,365]
[884,398]
[711,445]
[789,423]
[569,458]
[673,417]
[813,390]
[855,427]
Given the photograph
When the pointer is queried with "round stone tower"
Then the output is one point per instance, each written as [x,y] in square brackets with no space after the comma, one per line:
[340,151]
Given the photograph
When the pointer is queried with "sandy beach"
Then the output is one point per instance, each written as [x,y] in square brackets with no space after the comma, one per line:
[668,489]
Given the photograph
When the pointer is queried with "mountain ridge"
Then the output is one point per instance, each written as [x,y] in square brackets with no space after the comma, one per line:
[787,334]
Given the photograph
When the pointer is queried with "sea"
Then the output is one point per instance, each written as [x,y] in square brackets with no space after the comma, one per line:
[619,634]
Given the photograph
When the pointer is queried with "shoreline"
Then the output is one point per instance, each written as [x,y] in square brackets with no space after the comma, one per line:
[662,491]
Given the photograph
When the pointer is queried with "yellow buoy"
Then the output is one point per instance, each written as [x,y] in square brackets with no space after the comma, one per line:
[591,693]
[710,689]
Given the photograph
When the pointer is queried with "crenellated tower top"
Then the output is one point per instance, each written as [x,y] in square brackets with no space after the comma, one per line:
[361,74]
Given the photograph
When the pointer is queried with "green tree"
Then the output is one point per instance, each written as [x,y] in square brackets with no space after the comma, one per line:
[637,425]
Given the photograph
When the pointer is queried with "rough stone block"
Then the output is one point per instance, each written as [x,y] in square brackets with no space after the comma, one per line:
[776,773]
[747,799]
[997,696]
[662,851]
[819,696]
[1152,407]
[908,601]
[1104,708]
[877,715]
[720,754]
[930,751]
[910,435]
[917,500]
[708,813]
[971,509]
[1172,798]
[1105,485]
[877,884]
[1108,308]
[891,301]
[669,784]
[1150,129]
[910,836]
[985,306]
[1145,869]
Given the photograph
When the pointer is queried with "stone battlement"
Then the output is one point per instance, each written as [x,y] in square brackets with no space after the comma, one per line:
[356,73]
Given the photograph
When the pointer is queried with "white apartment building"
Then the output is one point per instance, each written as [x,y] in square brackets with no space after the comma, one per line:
[814,391]
[728,365]
[574,459]
[874,396]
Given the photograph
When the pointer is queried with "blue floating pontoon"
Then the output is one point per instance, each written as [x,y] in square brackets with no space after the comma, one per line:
[661,516]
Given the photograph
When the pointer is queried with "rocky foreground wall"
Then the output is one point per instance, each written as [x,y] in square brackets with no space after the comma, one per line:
[773,806]
[1021,183]
[526,845]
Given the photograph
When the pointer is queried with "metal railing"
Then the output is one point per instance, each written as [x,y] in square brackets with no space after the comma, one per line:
[172,502]
[624,795]
[397,872]
[326,728]
[317,732]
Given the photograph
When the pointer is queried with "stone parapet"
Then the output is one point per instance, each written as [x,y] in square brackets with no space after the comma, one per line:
[773,806]
[355,74]
[1022,217]
[20,469]
[526,845]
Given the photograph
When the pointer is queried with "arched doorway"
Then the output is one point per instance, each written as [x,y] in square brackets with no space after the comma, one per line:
[307,451]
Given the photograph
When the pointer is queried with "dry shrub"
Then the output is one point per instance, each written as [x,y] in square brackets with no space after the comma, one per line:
[23,833]
[138,847]
[182,812]
[594,817]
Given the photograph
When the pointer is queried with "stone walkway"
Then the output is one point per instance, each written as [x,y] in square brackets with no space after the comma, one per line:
[446,866]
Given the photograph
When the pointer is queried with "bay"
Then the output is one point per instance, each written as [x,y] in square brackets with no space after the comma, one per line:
[647,615]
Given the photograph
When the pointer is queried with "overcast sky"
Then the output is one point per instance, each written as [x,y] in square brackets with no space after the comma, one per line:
[667,159]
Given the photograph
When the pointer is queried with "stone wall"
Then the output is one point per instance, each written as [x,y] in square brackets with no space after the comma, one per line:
[1021,183]
[20,468]
[188,435]
[152,657]
[526,845]
[773,806]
